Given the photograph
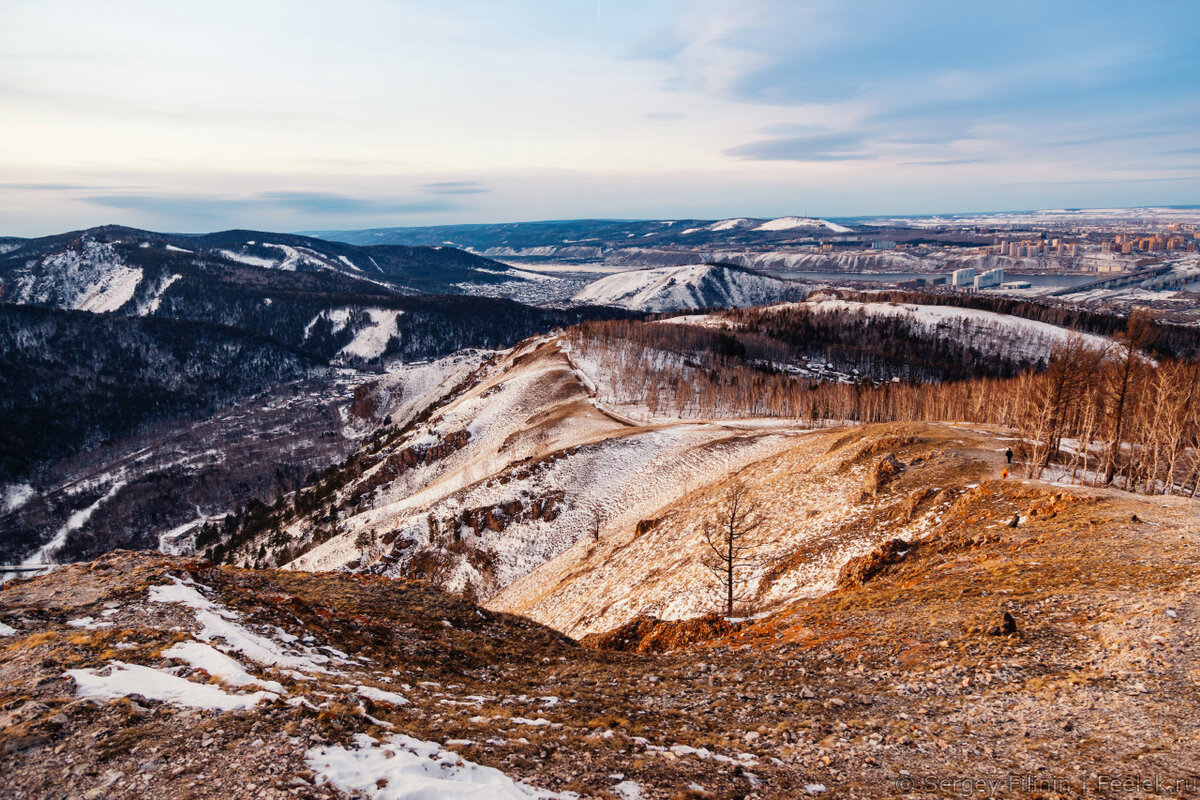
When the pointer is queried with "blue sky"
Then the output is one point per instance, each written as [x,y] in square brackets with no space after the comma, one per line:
[291,114]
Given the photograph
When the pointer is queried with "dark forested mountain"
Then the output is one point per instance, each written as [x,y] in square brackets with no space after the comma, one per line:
[70,381]
[525,238]
[122,269]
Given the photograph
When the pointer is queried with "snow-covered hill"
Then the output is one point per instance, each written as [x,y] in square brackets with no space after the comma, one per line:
[801,223]
[988,330]
[90,276]
[516,470]
[688,287]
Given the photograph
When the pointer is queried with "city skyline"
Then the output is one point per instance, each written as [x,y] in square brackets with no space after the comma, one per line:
[288,116]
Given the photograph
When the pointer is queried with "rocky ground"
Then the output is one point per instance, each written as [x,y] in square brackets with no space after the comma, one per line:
[901,682]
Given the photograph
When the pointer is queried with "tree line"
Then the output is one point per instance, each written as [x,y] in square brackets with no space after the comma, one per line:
[1112,415]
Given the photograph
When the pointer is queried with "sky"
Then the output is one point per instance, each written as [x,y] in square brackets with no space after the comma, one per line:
[299,115]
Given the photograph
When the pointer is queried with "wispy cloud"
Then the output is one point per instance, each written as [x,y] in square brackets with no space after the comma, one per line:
[328,203]
[455,187]
[819,147]
[311,204]
[48,187]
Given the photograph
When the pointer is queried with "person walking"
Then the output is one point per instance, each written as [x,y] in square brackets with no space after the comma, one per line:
[1009,454]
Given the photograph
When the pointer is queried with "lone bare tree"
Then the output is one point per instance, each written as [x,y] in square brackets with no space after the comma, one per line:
[733,540]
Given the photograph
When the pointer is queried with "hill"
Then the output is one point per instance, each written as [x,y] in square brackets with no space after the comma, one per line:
[115,268]
[142,675]
[688,287]
[577,238]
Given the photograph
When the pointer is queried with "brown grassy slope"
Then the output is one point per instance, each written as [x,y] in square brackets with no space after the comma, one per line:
[847,690]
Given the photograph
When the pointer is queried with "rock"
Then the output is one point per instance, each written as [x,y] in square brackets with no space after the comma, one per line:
[861,569]
[1007,627]
[882,474]
[1014,521]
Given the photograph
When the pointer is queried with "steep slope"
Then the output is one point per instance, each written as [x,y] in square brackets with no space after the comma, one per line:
[825,499]
[144,676]
[71,380]
[688,287]
[513,467]
[158,488]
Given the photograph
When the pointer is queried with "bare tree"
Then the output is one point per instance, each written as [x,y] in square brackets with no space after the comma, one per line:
[1123,382]
[733,540]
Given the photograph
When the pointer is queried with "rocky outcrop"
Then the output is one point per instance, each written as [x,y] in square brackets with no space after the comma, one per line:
[858,571]
[884,472]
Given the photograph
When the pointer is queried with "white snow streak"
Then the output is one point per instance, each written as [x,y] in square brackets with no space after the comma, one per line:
[404,768]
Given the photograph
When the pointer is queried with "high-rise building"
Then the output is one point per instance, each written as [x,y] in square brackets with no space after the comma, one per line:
[963,277]
[989,279]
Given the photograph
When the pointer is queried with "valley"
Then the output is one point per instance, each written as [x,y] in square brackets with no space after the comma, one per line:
[325,530]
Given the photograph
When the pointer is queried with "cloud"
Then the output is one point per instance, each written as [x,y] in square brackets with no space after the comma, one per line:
[945,162]
[455,187]
[818,147]
[329,203]
[201,206]
[47,187]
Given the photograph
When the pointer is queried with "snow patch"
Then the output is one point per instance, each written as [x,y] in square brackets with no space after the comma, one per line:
[134,679]
[371,341]
[383,696]
[403,768]
[15,495]
[229,671]
[88,277]
[74,522]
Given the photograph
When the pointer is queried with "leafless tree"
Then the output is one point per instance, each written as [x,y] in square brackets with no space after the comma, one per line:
[1123,381]
[733,540]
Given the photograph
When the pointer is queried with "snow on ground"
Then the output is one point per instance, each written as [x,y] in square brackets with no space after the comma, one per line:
[371,341]
[111,291]
[678,288]
[216,624]
[179,540]
[245,258]
[403,768]
[150,304]
[15,495]
[628,790]
[382,695]
[608,474]
[1028,337]
[183,593]
[6,630]
[74,522]
[257,648]
[792,223]
[601,584]
[229,671]
[124,680]
[90,277]
[291,258]
[729,224]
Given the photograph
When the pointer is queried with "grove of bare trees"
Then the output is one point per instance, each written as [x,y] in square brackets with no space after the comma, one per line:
[1104,415]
